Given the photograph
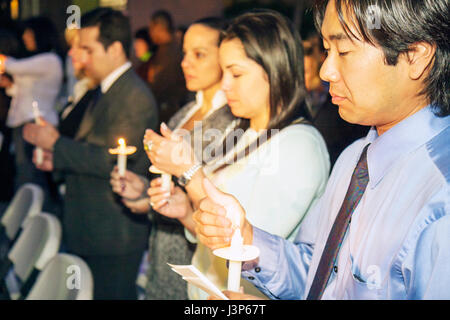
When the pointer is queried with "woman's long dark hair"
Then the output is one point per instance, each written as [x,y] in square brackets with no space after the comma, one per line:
[45,34]
[271,41]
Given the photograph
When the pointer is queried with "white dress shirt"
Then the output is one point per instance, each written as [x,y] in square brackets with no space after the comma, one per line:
[113,76]
[218,101]
[398,242]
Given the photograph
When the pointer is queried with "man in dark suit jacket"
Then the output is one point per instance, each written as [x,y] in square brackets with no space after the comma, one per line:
[96,225]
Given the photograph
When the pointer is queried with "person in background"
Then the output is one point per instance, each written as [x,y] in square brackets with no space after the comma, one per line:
[179,33]
[10,45]
[203,74]
[96,225]
[83,90]
[36,78]
[83,95]
[165,76]
[381,229]
[143,51]
[70,35]
[279,166]
[338,134]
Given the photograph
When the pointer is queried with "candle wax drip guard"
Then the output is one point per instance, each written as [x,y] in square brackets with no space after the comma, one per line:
[248,253]
[121,150]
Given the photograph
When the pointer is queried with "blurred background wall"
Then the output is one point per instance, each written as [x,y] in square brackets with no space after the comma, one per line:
[184,11]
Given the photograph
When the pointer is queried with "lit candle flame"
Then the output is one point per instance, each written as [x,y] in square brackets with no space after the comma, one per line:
[122,142]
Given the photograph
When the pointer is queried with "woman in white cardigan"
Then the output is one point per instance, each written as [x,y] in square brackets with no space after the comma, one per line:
[36,78]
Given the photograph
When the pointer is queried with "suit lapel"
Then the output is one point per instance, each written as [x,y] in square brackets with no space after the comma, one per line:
[97,111]
[89,118]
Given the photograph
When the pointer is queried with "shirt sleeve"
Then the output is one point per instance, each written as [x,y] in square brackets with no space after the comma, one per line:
[430,262]
[92,159]
[81,157]
[281,270]
[36,65]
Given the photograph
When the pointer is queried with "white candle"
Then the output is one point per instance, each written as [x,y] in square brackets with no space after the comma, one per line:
[122,152]
[237,252]
[234,267]
[39,156]
[166,178]
[37,120]
[122,158]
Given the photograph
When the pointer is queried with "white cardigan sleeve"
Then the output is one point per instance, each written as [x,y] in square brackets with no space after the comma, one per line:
[278,185]
[295,175]
[37,65]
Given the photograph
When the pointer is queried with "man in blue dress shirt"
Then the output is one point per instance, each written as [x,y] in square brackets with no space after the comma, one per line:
[388,67]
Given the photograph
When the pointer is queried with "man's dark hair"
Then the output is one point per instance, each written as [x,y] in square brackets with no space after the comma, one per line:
[395,25]
[164,18]
[113,26]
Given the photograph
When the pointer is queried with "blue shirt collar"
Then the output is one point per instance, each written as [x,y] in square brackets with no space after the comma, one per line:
[400,140]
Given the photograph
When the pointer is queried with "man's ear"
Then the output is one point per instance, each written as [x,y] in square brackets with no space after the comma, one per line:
[420,58]
[116,49]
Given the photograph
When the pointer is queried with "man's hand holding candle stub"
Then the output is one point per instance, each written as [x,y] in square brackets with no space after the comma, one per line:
[42,135]
[214,229]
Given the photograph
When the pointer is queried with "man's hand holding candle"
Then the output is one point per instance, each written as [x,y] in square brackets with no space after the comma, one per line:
[46,162]
[43,135]
[132,189]
[130,186]
[213,228]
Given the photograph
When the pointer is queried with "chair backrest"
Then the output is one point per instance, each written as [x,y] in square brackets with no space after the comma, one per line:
[26,202]
[65,277]
[37,244]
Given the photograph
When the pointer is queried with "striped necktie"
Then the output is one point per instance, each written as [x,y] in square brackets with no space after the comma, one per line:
[358,184]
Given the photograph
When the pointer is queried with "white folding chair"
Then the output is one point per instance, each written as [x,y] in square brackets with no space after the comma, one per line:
[65,277]
[26,202]
[36,245]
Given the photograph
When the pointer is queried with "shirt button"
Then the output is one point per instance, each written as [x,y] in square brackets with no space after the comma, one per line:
[335,269]
[257,269]
[251,278]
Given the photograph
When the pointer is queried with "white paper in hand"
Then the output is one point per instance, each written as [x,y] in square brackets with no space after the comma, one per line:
[192,275]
